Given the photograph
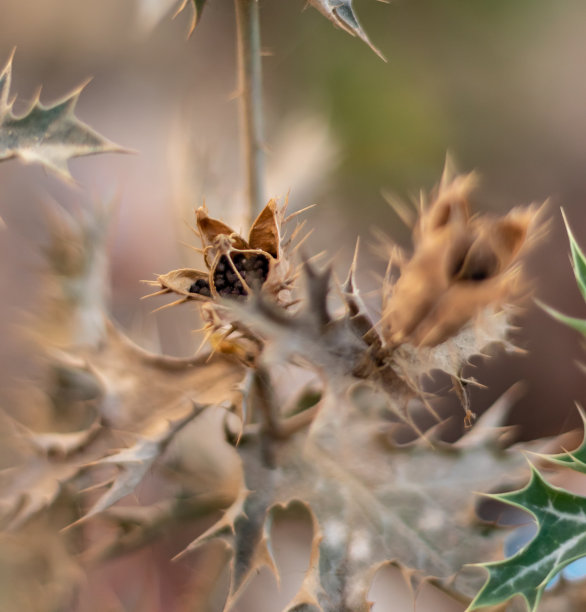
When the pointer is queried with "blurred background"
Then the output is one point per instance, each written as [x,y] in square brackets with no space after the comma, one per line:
[499,84]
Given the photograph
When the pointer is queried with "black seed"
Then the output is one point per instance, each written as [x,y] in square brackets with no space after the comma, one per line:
[223,264]
[239,260]
[200,286]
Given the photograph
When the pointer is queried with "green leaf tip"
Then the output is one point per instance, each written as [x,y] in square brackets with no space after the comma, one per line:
[578,258]
[575,459]
[49,135]
[575,323]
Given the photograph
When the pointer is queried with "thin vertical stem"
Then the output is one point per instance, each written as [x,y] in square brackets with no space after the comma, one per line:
[250,89]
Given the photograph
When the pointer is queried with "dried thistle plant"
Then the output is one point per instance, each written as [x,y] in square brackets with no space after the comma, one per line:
[291,404]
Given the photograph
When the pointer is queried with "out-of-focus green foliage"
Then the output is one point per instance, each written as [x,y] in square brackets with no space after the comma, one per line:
[579,267]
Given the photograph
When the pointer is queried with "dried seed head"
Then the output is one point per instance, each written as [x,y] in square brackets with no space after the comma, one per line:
[461,265]
[236,267]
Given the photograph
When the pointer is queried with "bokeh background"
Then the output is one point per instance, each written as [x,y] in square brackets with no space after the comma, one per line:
[499,84]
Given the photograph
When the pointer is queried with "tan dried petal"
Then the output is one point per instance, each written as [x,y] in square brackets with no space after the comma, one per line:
[210,229]
[264,233]
[180,281]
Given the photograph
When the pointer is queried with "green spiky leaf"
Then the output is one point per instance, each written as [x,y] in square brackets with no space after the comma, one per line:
[575,459]
[341,12]
[579,267]
[49,135]
[560,538]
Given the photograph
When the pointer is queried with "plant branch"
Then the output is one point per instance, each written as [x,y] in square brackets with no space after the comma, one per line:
[250,88]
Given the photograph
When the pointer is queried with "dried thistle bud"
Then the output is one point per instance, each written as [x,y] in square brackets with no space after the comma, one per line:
[461,266]
[236,267]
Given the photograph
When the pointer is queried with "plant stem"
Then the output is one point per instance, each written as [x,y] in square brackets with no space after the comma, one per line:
[250,88]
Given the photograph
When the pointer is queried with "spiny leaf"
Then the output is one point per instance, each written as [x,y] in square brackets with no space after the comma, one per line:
[136,461]
[341,12]
[36,483]
[560,539]
[50,135]
[359,489]
[141,387]
[578,259]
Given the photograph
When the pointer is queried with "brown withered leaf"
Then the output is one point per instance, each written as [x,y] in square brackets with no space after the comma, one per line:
[134,462]
[334,345]
[141,388]
[462,266]
[50,135]
[358,488]
[40,475]
[62,445]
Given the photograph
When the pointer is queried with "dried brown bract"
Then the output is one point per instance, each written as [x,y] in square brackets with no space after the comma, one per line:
[462,265]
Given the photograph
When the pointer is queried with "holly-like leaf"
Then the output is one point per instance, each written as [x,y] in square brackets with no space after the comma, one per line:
[48,463]
[341,12]
[560,539]
[49,135]
[141,388]
[136,461]
[371,502]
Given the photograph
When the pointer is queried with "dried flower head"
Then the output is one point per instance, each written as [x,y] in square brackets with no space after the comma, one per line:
[461,266]
[236,267]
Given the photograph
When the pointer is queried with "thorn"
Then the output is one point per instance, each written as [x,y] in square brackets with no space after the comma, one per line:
[163,291]
[297,212]
[171,304]
[296,247]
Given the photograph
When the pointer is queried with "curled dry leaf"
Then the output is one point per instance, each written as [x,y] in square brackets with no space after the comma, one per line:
[462,266]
